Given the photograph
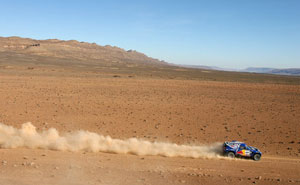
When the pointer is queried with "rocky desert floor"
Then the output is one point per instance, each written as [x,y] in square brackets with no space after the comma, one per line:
[182,111]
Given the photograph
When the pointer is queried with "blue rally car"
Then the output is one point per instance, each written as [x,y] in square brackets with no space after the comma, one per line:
[239,149]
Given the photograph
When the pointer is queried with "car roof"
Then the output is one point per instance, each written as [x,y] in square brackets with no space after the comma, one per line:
[235,142]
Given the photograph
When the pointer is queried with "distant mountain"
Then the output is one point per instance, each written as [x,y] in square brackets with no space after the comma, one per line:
[75,50]
[206,67]
[264,70]
[258,70]
[288,71]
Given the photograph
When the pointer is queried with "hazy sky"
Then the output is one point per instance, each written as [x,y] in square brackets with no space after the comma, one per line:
[224,33]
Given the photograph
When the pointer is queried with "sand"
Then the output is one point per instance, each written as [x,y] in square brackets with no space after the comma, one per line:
[175,111]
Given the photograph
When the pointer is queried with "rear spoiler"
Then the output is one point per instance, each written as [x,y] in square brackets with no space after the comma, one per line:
[226,142]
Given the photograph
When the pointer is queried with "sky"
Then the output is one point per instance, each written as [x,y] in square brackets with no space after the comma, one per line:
[231,34]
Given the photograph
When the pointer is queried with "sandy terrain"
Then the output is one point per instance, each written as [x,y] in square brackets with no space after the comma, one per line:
[177,111]
[184,112]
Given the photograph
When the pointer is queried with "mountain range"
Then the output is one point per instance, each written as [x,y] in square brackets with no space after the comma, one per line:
[287,71]
[26,49]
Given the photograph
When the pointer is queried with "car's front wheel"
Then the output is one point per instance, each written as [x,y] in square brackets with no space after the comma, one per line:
[230,155]
[256,157]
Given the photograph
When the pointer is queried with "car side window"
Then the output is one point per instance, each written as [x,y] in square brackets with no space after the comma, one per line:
[242,147]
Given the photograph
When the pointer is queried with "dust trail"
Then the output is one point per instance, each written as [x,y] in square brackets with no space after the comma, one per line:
[27,136]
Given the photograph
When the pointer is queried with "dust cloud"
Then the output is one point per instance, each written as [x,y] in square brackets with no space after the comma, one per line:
[27,136]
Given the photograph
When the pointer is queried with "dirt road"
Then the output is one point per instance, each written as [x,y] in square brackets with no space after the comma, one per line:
[26,166]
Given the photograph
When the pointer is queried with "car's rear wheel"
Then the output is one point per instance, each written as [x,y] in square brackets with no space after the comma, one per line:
[230,155]
[256,157]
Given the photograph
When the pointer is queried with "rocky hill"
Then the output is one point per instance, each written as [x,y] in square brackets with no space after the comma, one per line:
[73,49]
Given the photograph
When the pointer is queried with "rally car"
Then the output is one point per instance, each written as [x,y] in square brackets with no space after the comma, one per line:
[239,149]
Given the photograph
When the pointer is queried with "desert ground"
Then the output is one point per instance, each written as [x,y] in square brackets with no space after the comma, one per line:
[191,112]
[156,103]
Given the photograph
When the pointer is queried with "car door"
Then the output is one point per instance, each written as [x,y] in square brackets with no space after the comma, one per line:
[243,150]
[247,151]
